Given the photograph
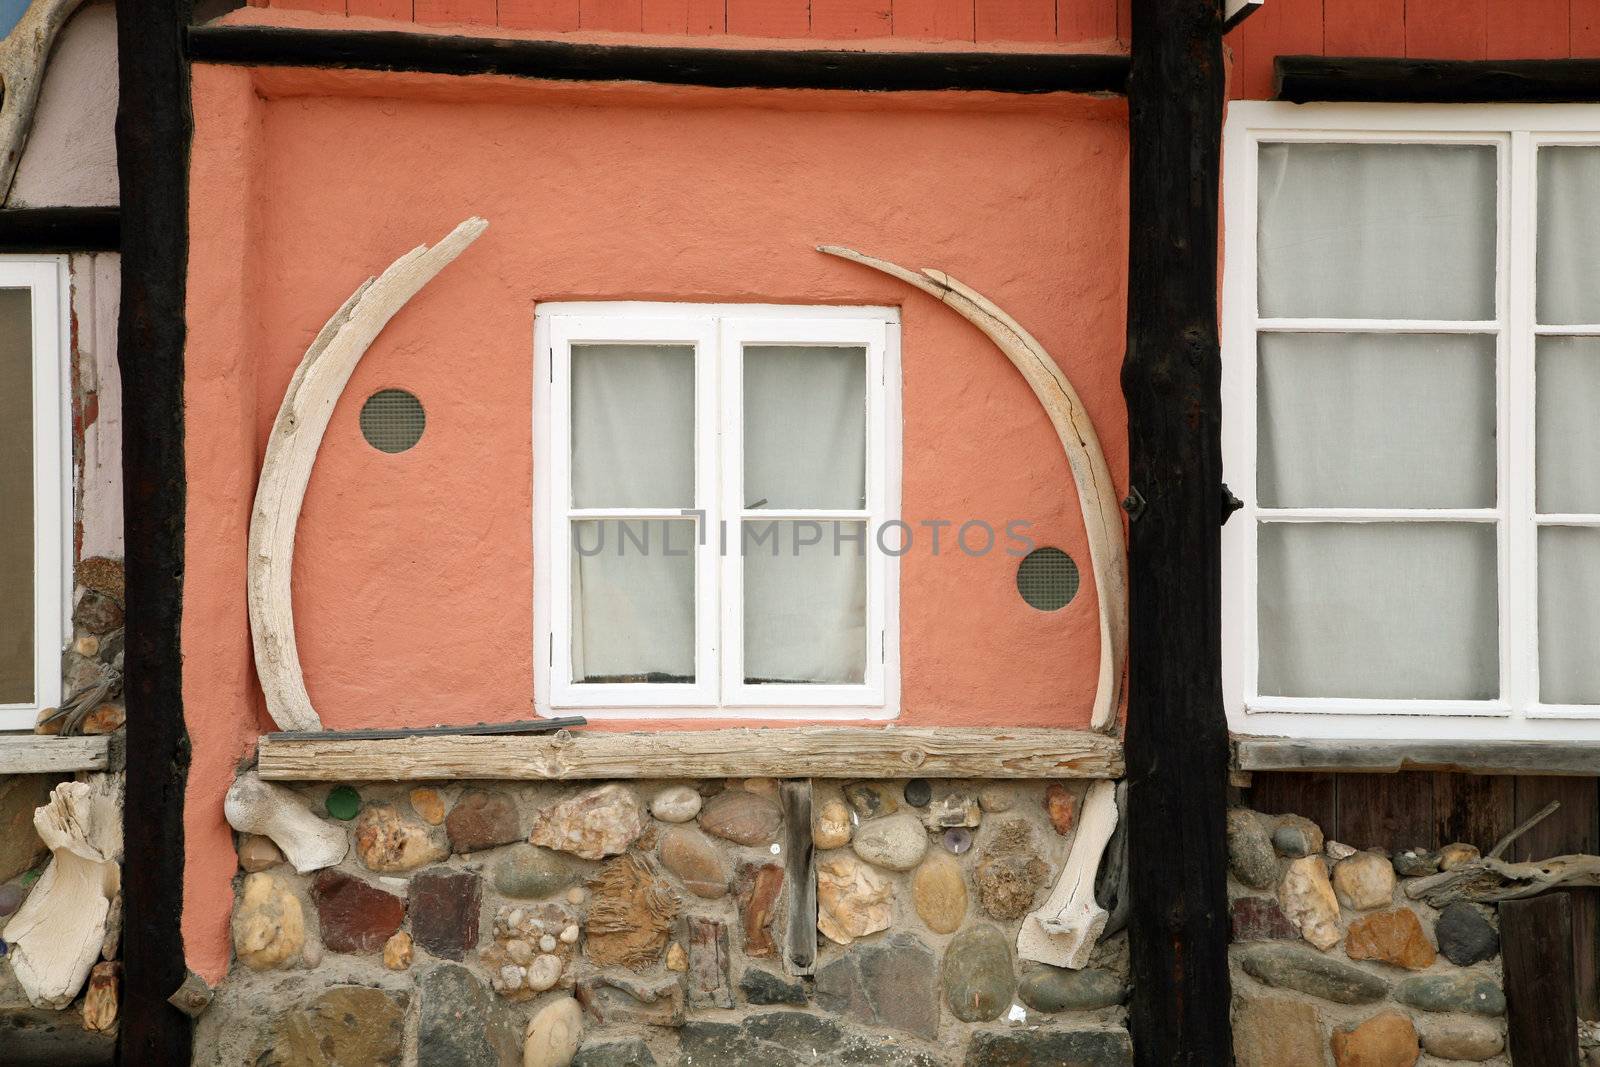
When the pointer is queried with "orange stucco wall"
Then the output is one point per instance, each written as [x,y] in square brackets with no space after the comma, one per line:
[414,571]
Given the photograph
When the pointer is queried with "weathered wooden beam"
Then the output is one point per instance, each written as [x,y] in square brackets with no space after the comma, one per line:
[32,754]
[60,229]
[153,137]
[725,68]
[803,752]
[1361,79]
[799,880]
[1575,758]
[1541,980]
[1177,737]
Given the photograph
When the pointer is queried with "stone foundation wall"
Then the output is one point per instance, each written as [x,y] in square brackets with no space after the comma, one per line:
[648,923]
[1334,963]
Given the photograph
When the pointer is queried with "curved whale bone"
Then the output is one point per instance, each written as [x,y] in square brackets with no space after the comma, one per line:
[256,807]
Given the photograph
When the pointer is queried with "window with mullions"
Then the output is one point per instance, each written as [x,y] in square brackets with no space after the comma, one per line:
[1411,374]
[711,491]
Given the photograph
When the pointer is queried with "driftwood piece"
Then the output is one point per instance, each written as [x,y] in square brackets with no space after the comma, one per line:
[800,880]
[1097,494]
[56,935]
[798,752]
[1487,880]
[292,450]
[23,54]
[1063,932]
[256,807]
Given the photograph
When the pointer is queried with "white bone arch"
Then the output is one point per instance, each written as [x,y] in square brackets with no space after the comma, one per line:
[292,450]
[22,66]
[1097,494]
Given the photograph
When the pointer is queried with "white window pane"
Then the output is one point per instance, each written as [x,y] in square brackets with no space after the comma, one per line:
[1376,420]
[805,426]
[805,602]
[1380,610]
[1569,626]
[633,600]
[1569,235]
[633,426]
[1380,231]
[1567,424]
[16,497]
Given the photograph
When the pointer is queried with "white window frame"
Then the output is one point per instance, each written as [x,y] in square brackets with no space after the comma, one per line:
[46,277]
[719,333]
[1517,131]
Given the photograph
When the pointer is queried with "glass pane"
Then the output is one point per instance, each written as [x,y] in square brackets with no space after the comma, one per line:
[633,426]
[1569,629]
[1381,610]
[633,600]
[1569,235]
[1379,231]
[1567,424]
[16,497]
[805,602]
[1376,420]
[805,427]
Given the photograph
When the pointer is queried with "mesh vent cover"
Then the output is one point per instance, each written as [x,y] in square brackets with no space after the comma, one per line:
[392,420]
[1047,578]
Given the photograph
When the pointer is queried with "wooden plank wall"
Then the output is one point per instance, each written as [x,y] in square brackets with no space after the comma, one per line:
[1418,29]
[1419,808]
[1087,25]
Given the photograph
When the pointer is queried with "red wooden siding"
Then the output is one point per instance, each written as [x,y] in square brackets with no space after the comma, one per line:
[1419,29]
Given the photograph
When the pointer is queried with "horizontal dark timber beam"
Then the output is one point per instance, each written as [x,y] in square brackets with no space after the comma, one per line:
[1305,79]
[722,68]
[60,229]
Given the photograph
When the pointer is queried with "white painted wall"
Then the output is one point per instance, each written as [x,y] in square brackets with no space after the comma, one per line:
[70,158]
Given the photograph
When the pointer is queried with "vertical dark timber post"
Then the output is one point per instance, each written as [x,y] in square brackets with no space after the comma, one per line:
[1177,740]
[153,132]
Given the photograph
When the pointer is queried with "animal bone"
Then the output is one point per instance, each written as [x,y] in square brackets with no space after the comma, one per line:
[256,807]
[1097,494]
[1064,931]
[57,933]
[292,448]
[22,65]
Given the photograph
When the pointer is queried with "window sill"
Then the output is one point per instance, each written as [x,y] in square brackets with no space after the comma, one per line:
[1581,758]
[801,752]
[45,754]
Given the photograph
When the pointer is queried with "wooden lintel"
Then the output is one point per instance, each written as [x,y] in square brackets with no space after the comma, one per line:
[60,229]
[35,754]
[803,752]
[1384,757]
[1381,79]
[722,68]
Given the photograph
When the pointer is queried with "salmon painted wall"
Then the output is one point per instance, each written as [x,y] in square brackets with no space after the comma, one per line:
[1100,24]
[414,571]
[1419,29]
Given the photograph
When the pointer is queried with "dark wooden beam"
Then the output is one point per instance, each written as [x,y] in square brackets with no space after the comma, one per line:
[723,68]
[153,135]
[1177,737]
[1541,987]
[60,229]
[1304,79]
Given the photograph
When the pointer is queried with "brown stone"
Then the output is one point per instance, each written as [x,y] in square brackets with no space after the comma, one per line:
[759,888]
[940,893]
[831,827]
[20,847]
[677,958]
[268,923]
[1395,937]
[853,899]
[1364,881]
[631,909]
[1276,1032]
[107,718]
[388,841]
[870,799]
[1385,1040]
[624,1000]
[427,802]
[592,825]
[100,999]
[355,916]
[741,817]
[344,1026]
[1260,919]
[1456,855]
[707,974]
[103,575]
[397,951]
[1010,873]
[258,853]
[695,861]
[1062,807]
[482,820]
[444,906]
[47,723]
[97,613]
[1307,899]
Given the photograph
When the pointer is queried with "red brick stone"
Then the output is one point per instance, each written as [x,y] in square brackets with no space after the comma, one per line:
[355,916]
[444,911]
